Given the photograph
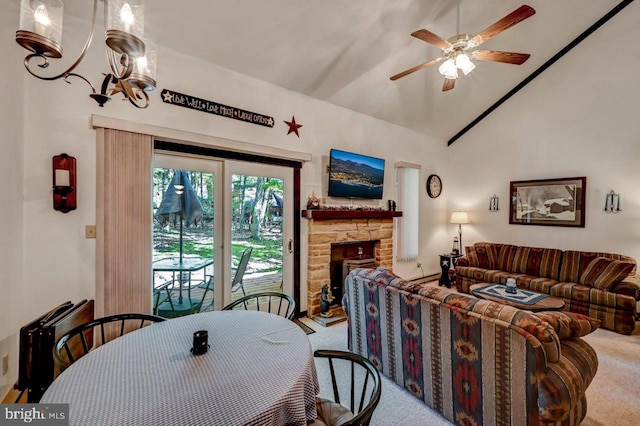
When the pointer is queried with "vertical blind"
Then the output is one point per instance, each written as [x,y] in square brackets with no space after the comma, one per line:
[408,184]
[123,219]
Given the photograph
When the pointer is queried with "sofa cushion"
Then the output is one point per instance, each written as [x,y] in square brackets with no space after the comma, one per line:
[537,284]
[519,319]
[575,262]
[487,254]
[569,325]
[541,262]
[505,257]
[604,273]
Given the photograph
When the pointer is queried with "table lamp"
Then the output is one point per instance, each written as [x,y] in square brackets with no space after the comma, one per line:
[459,218]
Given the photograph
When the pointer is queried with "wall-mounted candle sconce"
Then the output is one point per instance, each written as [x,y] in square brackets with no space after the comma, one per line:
[612,202]
[64,183]
[493,203]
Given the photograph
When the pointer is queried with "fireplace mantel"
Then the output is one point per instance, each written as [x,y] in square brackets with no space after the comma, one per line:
[321,214]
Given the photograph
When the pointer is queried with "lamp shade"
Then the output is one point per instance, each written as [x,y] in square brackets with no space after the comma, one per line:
[459,217]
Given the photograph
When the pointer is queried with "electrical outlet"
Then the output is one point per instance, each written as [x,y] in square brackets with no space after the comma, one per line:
[5,364]
[90,231]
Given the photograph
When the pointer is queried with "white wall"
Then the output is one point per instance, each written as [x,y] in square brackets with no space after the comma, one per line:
[12,175]
[578,118]
[59,263]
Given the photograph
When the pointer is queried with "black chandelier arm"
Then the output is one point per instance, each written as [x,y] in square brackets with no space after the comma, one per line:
[66,72]
[135,95]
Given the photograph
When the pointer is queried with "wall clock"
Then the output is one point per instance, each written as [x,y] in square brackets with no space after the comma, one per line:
[434,186]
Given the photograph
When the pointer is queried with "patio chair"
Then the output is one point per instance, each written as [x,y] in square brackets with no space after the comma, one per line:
[162,296]
[363,389]
[207,286]
[276,303]
[76,343]
[237,283]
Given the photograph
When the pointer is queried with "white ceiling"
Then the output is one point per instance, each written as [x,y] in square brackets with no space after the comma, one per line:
[344,51]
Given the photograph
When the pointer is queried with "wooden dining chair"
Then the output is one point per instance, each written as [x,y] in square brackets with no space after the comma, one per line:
[356,382]
[272,302]
[77,342]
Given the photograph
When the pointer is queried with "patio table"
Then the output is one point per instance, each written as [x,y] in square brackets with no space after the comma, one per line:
[178,267]
[259,370]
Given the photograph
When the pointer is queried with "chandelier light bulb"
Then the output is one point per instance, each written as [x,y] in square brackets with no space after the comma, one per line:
[448,69]
[464,63]
[126,15]
[41,16]
[142,63]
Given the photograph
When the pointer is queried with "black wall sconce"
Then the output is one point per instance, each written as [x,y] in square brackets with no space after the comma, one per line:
[493,203]
[612,202]
[64,183]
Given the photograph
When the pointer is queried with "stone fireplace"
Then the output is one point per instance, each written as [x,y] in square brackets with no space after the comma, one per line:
[339,228]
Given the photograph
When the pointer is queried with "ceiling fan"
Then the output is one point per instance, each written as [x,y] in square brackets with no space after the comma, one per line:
[458,51]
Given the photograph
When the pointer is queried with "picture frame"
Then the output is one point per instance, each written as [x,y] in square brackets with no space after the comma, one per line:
[548,202]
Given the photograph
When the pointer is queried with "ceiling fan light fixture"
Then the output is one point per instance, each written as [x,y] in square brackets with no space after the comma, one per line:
[464,63]
[449,69]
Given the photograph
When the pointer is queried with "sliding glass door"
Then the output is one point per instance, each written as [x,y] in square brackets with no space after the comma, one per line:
[258,228]
[187,230]
[221,229]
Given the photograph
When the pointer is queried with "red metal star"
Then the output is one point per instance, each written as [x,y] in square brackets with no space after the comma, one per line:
[293,126]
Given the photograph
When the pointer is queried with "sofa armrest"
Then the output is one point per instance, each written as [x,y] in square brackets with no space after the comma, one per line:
[630,286]
[463,261]
[566,380]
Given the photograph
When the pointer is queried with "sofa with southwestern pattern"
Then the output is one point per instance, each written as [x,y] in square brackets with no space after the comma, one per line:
[474,361]
[600,285]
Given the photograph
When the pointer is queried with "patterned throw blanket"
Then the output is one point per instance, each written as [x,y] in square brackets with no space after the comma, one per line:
[522,296]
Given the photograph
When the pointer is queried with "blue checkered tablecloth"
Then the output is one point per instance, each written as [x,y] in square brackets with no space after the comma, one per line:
[259,370]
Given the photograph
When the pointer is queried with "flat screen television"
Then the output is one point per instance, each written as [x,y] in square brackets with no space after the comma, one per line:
[355,175]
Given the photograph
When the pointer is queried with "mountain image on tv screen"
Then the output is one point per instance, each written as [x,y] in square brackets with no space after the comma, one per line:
[355,175]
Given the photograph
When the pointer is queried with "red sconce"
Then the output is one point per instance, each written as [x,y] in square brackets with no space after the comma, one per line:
[64,183]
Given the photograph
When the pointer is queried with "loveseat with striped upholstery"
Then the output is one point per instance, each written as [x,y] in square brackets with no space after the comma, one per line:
[600,285]
[474,361]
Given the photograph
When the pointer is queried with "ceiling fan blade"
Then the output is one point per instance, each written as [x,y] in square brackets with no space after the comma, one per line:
[414,69]
[505,57]
[448,84]
[518,15]
[431,38]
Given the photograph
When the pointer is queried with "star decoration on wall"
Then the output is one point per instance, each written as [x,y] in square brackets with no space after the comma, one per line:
[168,96]
[293,126]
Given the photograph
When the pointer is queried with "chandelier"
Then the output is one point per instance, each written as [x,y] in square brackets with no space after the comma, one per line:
[132,61]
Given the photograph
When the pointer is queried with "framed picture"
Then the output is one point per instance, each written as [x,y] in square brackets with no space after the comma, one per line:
[548,202]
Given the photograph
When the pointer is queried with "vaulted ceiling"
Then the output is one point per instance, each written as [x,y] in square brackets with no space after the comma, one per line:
[344,51]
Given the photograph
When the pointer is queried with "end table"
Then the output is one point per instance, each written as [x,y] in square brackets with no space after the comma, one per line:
[447,261]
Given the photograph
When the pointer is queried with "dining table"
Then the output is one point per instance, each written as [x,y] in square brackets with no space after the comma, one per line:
[258,370]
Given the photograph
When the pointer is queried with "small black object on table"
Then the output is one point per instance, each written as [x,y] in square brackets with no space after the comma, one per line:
[447,261]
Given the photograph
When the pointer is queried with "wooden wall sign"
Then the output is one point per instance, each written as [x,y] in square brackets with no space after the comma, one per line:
[191,102]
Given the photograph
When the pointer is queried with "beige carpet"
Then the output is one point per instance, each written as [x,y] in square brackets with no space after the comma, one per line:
[613,398]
